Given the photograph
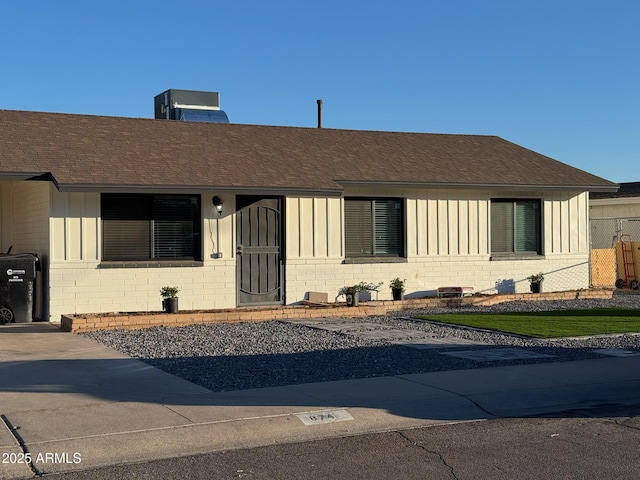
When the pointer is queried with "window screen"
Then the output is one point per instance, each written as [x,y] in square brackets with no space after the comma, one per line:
[147,227]
[515,226]
[374,227]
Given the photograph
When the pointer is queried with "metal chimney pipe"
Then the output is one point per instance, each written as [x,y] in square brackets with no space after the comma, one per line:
[319,113]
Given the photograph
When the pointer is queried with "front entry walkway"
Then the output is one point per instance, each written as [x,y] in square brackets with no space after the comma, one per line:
[419,340]
[375,331]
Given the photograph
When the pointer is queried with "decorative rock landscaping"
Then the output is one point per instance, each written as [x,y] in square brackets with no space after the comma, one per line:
[241,355]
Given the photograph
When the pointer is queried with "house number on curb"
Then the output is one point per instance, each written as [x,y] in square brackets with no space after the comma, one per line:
[326,416]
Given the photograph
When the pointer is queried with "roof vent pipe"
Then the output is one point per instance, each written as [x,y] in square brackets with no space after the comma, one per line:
[319,113]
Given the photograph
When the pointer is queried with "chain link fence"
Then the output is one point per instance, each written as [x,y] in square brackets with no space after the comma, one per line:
[607,264]
[605,232]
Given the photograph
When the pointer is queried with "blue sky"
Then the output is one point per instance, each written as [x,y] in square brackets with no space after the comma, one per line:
[561,77]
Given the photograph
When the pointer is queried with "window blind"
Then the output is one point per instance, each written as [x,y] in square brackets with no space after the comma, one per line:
[388,227]
[126,231]
[173,227]
[527,226]
[146,227]
[501,227]
[515,226]
[373,227]
[358,227]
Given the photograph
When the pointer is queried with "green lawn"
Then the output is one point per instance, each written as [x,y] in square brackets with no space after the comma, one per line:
[557,323]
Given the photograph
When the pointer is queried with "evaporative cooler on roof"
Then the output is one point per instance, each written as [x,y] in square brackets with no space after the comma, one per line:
[189,106]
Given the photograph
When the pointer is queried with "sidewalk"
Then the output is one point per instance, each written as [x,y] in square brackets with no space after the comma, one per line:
[75,404]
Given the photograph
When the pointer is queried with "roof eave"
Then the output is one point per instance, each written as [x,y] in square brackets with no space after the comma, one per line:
[21,175]
[482,186]
[29,176]
[184,189]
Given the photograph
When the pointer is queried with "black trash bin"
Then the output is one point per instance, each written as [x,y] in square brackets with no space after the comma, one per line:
[17,280]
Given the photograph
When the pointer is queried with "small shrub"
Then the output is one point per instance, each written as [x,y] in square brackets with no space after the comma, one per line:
[169,292]
[397,284]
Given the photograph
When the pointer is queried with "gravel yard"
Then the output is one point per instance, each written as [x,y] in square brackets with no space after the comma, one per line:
[235,356]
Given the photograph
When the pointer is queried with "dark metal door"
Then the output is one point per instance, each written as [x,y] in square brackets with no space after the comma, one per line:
[258,250]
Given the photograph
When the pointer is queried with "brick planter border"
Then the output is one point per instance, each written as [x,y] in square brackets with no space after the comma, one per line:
[88,322]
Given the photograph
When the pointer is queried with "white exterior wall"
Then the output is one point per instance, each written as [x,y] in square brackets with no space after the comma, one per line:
[84,287]
[24,213]
[29,207]
[78,284]
[448,243]
[5,215]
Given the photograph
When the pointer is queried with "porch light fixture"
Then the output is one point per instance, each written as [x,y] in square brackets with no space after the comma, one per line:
[217,202]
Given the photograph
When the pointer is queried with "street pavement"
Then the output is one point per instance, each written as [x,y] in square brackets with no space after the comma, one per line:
[73,405]
[591,443]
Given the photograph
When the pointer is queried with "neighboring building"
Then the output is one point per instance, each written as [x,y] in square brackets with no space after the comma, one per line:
[614,214]
[624,203]
[116,208]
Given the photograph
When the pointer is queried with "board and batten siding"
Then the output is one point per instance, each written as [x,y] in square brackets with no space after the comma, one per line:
[448,241]
[438,222]
[75,226]
[76,232]
[78,284]
[314,227]
[443,223]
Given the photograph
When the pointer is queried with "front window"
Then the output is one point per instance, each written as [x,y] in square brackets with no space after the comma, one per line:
[150,227]
[515,227]
[374,227]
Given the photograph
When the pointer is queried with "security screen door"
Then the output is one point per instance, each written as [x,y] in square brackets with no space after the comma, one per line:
[259,269]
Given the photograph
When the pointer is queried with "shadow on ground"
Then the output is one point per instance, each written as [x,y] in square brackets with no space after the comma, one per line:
[382,377]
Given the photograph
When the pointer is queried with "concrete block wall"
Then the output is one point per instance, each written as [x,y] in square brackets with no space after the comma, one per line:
[84,287]
[78,284]
[425,274]
[447,244]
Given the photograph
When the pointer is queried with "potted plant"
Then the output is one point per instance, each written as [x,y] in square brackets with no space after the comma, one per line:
[169,299]
[397,288]
[352,293]
[535,282]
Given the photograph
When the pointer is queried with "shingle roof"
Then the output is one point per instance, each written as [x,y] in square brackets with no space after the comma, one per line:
[627,189]
[82,151]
